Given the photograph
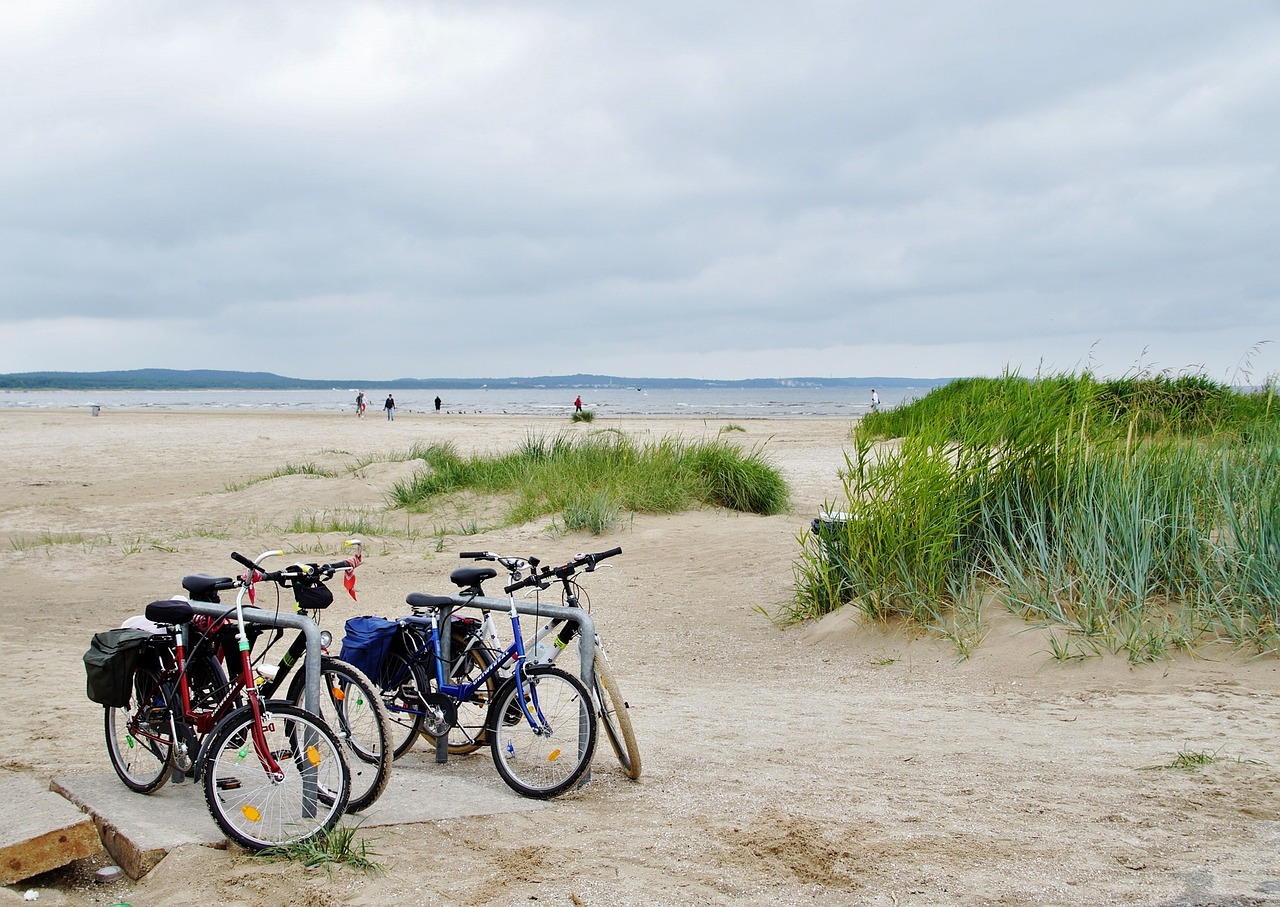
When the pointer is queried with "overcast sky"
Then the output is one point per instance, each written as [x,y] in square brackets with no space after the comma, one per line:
[722,189]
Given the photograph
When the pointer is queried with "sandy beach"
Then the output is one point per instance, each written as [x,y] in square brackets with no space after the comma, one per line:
[834,763]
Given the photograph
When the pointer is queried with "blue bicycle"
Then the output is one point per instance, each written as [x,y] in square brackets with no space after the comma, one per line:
[539,722]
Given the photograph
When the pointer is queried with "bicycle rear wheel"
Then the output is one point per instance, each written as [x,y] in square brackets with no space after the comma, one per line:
[257,810]
[403,684]
[352,707]
[140,736]
[615,715]
[548,758]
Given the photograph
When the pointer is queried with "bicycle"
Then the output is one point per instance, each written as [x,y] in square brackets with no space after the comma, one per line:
[272,773]
[612,708]
[539,723]
[350,702]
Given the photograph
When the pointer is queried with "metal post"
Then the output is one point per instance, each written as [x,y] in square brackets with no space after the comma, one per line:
[446,657]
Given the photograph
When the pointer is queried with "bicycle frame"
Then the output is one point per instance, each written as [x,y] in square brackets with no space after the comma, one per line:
[464,691]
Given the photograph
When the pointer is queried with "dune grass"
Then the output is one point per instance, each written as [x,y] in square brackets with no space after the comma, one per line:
[289,469]
[1137,516]
[590,480]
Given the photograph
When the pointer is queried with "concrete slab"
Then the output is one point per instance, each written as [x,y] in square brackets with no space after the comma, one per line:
[39,830]
[139,830]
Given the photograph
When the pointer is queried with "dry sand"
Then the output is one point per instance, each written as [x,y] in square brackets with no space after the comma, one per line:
[831,764]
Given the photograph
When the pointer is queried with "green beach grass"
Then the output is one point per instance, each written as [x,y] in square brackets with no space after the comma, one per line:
[590,480]
[1135,516]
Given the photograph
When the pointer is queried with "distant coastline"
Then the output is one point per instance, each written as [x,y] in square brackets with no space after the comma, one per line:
[212,379]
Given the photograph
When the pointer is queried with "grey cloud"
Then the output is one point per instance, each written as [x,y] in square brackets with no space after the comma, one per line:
[717,177]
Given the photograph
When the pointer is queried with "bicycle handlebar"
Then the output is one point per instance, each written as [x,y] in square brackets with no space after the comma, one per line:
[564,572]
[295,571]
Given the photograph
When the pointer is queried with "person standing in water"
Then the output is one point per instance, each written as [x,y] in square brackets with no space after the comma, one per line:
[360,404]
[875,401]
[577,404]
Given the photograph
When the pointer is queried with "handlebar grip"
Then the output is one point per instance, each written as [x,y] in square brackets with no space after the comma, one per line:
[531,580]
[476,555]
[240,558]
[610,553]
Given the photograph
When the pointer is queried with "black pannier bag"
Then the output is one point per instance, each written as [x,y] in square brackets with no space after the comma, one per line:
[110,662]
[366,642]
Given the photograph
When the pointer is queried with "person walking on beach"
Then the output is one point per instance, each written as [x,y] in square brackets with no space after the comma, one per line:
[390,407]
[875,401]
[577,404]
[437,404]
[360,404]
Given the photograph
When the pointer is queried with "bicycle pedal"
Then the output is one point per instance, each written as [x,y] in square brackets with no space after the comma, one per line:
[228,784]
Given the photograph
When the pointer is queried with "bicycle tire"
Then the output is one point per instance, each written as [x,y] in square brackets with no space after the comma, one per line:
[258,811]
[352,706]
[139,735]
[535,764]
[402,684]
[615,716]
[468,732]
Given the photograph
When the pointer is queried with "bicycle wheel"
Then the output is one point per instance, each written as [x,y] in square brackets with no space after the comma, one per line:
[402,684]
[257,810]
[139,735]
[353,708]
[615,715]
[467,734]
[546,760]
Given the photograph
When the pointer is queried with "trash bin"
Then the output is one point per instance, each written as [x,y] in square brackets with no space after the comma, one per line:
[95,409]
[831,530]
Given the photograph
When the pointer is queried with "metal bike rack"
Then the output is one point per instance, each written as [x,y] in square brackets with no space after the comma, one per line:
[586,644]
[310,630]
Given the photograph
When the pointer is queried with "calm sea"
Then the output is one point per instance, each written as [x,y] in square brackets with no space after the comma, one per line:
[734,402]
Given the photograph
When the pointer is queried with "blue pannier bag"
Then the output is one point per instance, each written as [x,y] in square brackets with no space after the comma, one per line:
[365,643]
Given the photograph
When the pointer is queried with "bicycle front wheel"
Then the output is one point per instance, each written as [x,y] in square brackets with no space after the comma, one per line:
[139,735]
[615,715]
[353,708]
[258,810]
[544,758]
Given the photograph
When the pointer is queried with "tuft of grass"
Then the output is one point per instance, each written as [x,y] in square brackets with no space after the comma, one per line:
[592,476]
[289,469]
[342,522]
[595,513]
[339,846]
[49,539]
[732,426]
[585,416]
[1188,760]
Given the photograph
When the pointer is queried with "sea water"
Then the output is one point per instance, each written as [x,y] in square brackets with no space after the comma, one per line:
[695,402]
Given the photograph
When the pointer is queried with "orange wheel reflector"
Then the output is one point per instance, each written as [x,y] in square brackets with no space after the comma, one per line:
[338,694]
[313,755]
[251,813]
[553,755]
